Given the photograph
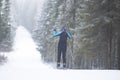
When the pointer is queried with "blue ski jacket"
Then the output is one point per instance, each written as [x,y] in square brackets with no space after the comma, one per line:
[55,34]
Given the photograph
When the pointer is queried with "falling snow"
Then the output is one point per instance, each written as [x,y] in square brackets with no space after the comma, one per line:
[25,63]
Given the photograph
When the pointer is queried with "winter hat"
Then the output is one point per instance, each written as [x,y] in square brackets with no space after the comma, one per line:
[63,29]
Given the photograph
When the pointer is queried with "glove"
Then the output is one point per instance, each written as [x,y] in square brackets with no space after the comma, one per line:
[54,29]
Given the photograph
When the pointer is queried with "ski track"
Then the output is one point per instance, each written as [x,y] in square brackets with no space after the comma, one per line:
[25,63]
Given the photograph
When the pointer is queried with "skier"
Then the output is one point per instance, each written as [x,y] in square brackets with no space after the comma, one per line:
[62,45]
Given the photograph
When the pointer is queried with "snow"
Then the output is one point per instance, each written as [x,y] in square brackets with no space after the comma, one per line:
[25,63]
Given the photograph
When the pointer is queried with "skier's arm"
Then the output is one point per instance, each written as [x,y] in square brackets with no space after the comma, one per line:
[55,33]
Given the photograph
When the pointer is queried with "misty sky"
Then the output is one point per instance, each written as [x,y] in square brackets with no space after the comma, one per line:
[25,11]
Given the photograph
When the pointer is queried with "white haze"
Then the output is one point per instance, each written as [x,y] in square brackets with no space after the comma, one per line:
[25,11]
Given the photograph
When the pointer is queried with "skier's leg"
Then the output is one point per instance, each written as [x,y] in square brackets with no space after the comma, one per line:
[58,57]
[64,56]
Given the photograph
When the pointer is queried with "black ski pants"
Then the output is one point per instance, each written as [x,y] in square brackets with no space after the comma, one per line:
[61,52]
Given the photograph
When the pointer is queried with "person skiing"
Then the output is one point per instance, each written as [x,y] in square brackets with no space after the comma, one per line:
[62,45]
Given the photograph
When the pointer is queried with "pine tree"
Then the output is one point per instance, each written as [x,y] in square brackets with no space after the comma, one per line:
[5,28]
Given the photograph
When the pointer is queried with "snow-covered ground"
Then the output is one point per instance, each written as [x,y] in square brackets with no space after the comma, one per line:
[25,63]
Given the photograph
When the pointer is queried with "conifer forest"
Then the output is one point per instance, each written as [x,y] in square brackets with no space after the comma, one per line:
[93,24]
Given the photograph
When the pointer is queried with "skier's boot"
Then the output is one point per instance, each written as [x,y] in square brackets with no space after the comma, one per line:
[64,65]
[58,65]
